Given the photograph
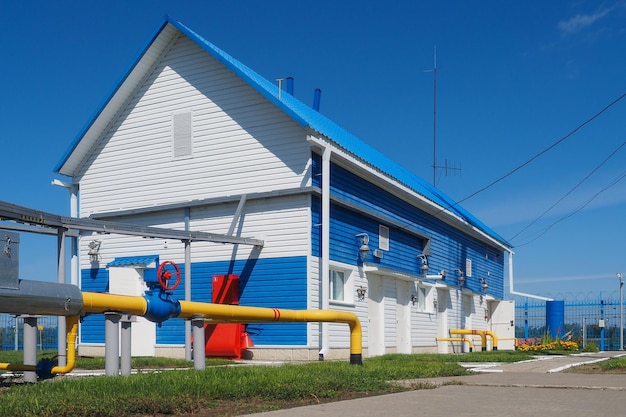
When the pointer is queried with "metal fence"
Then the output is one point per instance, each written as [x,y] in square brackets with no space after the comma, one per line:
[12,332]
[588,319]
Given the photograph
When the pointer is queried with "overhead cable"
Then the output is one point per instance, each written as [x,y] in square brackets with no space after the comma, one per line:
[570,191]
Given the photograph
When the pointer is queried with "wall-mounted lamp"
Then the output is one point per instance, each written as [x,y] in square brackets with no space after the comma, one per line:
[424,266]
[440,276]
[94,250]
[414,299]
[460,277]
[364,249]
[360,293]
[483,284]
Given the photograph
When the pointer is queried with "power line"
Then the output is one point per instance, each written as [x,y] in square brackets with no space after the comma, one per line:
[586,122]
[579,208]
[570,191]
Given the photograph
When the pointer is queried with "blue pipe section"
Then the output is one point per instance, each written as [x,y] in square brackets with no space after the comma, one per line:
[160,305]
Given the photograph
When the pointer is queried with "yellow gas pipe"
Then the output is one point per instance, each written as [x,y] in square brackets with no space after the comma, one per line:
[457,339]
[72,330]
[137,305]
[494,339]
[243,314]
[483,336]
[99,303]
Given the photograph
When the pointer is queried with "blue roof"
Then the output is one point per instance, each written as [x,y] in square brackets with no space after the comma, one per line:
[311,119]
[142,261]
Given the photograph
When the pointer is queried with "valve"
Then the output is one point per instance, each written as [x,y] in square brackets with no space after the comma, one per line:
[164,276]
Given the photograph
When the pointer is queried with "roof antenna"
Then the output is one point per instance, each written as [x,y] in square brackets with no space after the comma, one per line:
[446,167]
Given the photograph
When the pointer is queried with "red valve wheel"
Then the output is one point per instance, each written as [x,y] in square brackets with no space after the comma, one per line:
[164,276]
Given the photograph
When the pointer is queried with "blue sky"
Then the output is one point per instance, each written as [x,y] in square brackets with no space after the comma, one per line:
[512,80]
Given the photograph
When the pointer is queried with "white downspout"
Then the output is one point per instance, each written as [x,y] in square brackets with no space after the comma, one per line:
[325,248]
[74,264]
[512,291]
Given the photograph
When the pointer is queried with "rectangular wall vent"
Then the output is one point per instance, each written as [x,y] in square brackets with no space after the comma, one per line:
[181,134]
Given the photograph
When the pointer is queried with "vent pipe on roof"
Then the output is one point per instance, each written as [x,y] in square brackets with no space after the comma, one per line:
[317,95]
[289,86]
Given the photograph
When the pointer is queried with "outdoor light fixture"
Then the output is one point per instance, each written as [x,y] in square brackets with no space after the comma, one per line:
[424,266]
[360,293]
[461,277]
[94,250]
[414,299]
[483,284]
[364,249]
[441,275]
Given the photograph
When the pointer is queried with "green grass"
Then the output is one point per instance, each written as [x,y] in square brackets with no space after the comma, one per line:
[617,364]
[220,389]
[611,366]
[92,363]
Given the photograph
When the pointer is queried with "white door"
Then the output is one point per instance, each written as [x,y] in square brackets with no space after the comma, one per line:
[503,323]
[403,314]
[375,312]
[129,281]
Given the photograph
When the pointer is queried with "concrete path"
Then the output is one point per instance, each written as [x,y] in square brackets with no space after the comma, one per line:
[533,387]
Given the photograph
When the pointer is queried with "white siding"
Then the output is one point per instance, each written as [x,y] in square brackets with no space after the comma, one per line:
[283,223]
[241,142]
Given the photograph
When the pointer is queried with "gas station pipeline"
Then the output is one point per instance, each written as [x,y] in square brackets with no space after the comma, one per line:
[157,305]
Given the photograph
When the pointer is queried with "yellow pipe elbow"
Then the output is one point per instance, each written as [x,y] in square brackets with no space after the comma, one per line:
[483,337]
[72,331]
[494,339]
[244,314]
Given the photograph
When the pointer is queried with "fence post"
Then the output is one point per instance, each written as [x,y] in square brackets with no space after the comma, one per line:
[584,332]
[602,327]
[526,319]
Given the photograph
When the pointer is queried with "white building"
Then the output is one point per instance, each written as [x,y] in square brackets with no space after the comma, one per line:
[192,139]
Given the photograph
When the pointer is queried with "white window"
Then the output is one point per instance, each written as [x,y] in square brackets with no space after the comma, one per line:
[341,285]
[337,285]
[423,299]
[468,268]
[383,237]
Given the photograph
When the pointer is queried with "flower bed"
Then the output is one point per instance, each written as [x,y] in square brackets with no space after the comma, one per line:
[538,345]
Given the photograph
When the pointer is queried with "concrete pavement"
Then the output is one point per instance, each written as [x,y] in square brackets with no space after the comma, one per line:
[522,388]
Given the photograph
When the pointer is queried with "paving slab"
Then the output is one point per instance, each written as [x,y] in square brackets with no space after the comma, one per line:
[528,387]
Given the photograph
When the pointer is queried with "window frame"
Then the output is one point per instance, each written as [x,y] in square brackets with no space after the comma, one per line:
[348,285]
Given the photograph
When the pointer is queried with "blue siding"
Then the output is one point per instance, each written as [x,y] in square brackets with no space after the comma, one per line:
[92,328]
[449,246]
[273,283]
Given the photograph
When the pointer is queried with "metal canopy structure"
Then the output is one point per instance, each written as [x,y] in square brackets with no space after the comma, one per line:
[30,216]
[36,221]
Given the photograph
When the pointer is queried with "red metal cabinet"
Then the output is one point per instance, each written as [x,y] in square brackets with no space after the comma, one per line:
[227,340]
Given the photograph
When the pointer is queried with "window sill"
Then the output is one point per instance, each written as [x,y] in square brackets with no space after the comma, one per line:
[341,303]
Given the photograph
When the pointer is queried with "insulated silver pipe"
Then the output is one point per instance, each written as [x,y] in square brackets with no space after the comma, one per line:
[42,298]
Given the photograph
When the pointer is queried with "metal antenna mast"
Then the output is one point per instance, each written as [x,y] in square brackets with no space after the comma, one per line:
[434,71]
[435,166]
[435,116]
